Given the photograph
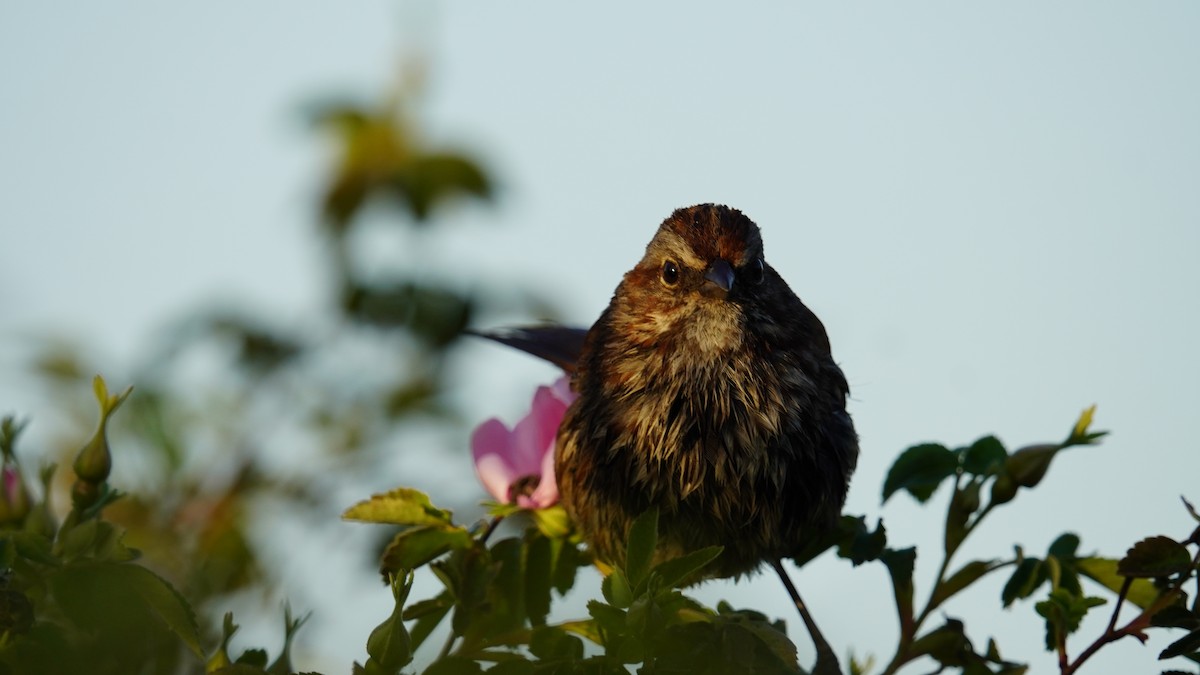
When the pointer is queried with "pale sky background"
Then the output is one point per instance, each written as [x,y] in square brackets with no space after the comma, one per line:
[995,210]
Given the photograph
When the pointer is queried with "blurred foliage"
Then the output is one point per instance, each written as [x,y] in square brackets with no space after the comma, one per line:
[239,408]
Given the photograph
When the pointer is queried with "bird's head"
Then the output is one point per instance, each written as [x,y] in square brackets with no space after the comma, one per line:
[701,271]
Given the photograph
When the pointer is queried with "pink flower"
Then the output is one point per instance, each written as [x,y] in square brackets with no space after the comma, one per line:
[518,465]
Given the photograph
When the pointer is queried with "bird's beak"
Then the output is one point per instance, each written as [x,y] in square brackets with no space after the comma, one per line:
[718,278]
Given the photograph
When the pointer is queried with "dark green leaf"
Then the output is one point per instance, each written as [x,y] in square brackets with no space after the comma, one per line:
[1029,574]
[1063,612]
[946,644]
[1155,557]
[608,618]
[1176,616]
[920,469]
[676,571]
[254,658]
[1187,644]
[643,539]
[554,643]
[984,457]
[539,562]
[900,565]
[848,528]
[862,545]
[1065,546]
[964,577]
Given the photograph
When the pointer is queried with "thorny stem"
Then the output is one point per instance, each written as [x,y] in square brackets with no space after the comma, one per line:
[827,661]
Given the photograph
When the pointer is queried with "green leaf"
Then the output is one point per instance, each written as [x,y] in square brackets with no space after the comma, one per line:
[402,506]
[117,596]
[1030,574]
[1103,571]
[676,571]
[984,457]
[1065,546]
[1187,644]
[609,619]
[900,564]
[1063,612]
[920,469]
[862,545]
[1155,557]
[539,573]
[554,643]
[417,546]
[1176,616]
[429,619]
[616,589]
[946,644]
[643,539]
[964,577]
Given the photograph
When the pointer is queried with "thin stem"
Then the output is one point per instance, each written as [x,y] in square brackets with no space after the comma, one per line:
[1112,622]
[906,640]
[827,661]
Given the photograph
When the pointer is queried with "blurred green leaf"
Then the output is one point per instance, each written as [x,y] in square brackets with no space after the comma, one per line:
[964,577]
[539,575]
[1103,571]
[1063,612]
[616,589]
[1025,579]
[675,571]
[920,469]
[419,545]
[984,457]
[900,564]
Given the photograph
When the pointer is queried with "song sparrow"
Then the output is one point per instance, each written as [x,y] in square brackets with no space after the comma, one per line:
[706,389]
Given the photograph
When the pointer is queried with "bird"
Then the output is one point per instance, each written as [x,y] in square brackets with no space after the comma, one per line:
[708,391]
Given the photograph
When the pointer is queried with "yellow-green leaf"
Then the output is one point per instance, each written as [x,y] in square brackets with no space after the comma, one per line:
[402,506]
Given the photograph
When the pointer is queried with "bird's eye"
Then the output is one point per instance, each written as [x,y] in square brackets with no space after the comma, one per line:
[755,271]
[670,272]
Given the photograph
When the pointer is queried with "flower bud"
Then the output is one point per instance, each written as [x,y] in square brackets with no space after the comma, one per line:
[94,461]
[14,497]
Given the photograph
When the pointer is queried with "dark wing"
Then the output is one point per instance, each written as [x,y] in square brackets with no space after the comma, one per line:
[559,345]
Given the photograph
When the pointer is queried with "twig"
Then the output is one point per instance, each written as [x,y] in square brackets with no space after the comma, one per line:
[827,661]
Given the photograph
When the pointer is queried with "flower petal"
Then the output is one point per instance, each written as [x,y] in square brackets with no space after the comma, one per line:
[491,446]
